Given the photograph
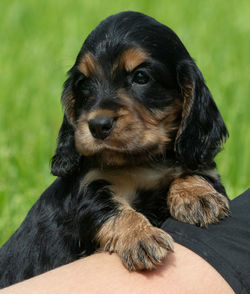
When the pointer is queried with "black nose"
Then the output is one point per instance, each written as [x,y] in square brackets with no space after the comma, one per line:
[101,126]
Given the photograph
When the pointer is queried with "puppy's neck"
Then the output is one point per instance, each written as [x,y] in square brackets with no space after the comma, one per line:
[110,159]
[125,182]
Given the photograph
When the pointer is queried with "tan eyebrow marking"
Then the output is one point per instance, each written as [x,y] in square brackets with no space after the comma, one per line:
[88,65]
[133,57]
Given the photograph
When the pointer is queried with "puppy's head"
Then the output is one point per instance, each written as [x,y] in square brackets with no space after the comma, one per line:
[135,92]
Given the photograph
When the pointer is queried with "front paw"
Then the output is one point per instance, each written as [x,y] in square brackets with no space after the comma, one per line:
[193,200]
[144,251]
[139,244]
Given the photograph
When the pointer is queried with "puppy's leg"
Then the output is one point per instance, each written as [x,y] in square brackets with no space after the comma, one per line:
[193,200]
[117,226]
[139,244]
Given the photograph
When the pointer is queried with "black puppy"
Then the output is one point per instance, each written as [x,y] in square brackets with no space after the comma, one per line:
[137,144]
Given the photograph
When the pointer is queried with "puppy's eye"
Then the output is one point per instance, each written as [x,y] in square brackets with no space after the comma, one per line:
[140,77]
[85,91]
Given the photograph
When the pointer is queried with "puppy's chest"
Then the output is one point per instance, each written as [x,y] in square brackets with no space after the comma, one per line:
[127,184]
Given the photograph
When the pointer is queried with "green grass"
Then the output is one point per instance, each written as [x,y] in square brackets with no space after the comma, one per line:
[39,42]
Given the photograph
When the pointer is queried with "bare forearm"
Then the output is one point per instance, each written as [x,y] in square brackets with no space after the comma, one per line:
[183,272]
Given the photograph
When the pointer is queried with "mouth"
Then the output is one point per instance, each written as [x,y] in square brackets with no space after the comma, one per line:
[134,140]
[127,135]
[110,156]
[111,152]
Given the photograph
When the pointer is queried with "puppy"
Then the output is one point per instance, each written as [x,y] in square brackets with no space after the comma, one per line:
[137,144]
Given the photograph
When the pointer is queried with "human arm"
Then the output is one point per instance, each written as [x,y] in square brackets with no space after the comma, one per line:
[182,272]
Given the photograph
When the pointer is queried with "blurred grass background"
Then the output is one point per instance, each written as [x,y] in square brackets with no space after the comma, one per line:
[39,41]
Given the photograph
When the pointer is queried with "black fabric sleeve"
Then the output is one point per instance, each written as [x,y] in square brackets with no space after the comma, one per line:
[226,245]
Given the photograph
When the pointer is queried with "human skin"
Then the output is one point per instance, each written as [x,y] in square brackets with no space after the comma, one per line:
[182,272]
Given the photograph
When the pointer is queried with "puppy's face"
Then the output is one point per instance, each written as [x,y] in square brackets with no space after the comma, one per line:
[123,106]
[135,92]
[123,102]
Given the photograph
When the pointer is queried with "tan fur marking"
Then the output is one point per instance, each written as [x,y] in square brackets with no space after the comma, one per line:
[69,104]
[191,186]
[132,57]
[135,240]
[153,128]
[102,112]
[84,141]
[194,200]
[188,96]
[125,182]
[114,158]
[88,65]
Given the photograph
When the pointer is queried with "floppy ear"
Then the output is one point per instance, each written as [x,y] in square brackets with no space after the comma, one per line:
[202,130]
[66,160]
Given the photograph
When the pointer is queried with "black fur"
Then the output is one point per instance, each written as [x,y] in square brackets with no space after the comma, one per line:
[61,228]
[62,225]
[66,161]
[204,129]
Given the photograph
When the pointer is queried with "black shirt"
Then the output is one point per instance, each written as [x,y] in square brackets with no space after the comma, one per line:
[226,245]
